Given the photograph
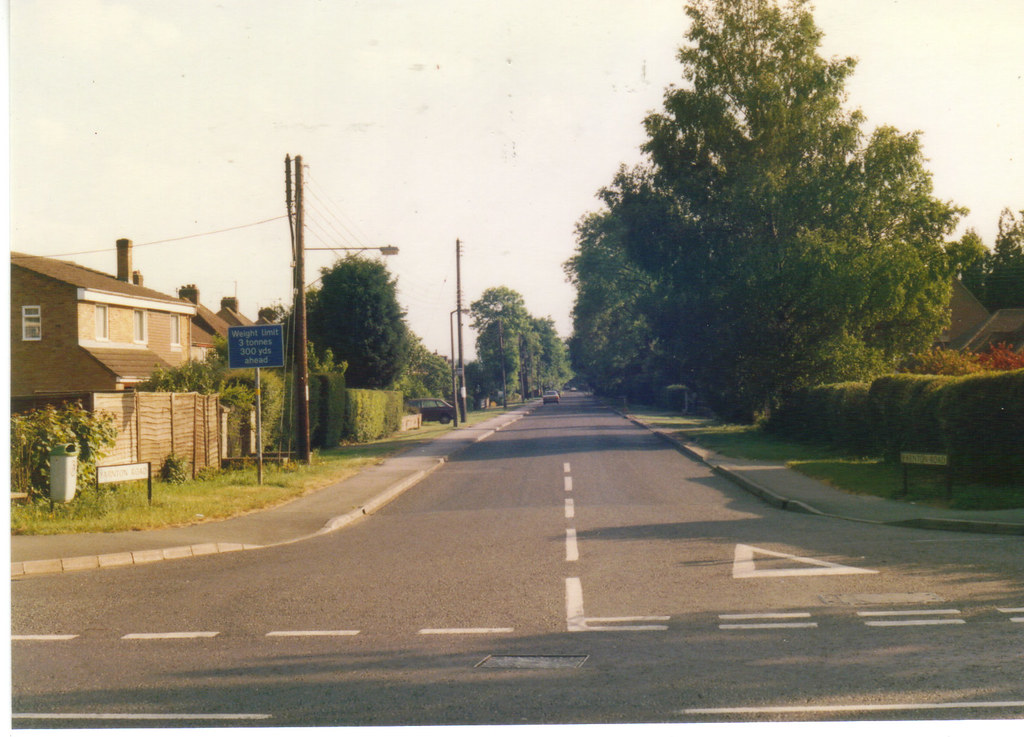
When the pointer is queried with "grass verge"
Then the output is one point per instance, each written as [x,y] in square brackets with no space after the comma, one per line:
[855,475]
[116,508]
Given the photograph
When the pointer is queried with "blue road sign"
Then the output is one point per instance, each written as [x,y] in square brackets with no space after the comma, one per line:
[256,346]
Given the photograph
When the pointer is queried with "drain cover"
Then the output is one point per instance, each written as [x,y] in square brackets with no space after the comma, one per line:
[864,599]
[532,661]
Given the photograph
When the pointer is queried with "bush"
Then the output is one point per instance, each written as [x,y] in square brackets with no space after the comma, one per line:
[983,419]
[978,420]
[372,414]
[34,433]
[175,470]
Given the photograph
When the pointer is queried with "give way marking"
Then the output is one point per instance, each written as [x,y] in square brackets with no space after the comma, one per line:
[743,565]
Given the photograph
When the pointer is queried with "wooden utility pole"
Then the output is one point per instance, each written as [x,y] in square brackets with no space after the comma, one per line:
[461,399]
[301,359]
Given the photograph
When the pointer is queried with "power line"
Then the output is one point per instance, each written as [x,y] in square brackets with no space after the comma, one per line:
[179,238]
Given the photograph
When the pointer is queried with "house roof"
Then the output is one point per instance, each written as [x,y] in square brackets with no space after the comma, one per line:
[1002,326]
[81,276]
[234,318]
[128,364]
[209,322]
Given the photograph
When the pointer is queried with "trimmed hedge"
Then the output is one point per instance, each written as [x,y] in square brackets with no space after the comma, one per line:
[978,420]
[834,414]
[337,413]
[372,414]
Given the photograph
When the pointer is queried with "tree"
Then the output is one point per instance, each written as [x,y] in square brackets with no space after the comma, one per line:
[355,314]
[499,318]
[426,374]
[968,259]
[1004,285]
[783,249]
[611,333]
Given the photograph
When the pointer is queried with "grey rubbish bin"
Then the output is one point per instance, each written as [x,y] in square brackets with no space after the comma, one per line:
[63,472]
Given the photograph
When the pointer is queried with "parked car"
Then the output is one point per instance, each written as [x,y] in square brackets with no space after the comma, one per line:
[551,396]
[431,409]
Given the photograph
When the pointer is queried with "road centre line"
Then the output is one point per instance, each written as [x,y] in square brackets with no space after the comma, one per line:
[908,612]
[1010,610]
[572,551]
[49,638]
[466,631]
[56,716]
[570,509]
[313,633]
[767,615]
[568,483]
[817,708]
[576,621]
[769,626]
[566,467]
[912,622]
[168,635]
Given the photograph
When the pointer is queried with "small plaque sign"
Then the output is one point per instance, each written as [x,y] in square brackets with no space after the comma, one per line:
[924,459]
[124,472]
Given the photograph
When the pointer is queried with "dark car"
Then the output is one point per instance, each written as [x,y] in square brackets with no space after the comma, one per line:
[551,396]
[433,409]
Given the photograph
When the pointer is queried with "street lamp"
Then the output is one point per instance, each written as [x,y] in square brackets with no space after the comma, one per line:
[301,362]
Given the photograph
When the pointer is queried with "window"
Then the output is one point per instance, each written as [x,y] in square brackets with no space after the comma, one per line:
[31,323]
[101,323]
[175,329]
[139,322]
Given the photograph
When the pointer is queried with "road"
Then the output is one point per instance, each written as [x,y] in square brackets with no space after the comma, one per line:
[570,569]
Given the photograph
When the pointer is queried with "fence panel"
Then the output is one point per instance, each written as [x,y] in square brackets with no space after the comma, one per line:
[154,425]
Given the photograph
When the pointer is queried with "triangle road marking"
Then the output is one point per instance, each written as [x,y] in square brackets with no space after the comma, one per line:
[743,565]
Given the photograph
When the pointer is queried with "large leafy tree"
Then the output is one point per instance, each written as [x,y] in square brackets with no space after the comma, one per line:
[355,314]
[784,246]
[1004,285]
[535,358]
[499,318]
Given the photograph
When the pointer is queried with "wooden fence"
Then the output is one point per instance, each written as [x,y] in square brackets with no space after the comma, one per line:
[153,425]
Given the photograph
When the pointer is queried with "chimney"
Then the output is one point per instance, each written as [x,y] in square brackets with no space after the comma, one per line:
[189,292]
[137,278]
[124,260]
[229,303]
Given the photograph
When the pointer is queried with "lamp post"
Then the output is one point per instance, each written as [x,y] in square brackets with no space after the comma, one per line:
[301,363]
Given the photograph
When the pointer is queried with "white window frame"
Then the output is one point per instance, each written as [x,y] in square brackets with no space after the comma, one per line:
[136,324]
[175,330]
[102,322]
[31,322]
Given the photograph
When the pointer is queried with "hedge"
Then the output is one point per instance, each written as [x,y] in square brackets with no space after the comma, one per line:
[978,420]
[372,414]
[337,413]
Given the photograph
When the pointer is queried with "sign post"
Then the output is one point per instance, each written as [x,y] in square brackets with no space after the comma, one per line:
[256,347]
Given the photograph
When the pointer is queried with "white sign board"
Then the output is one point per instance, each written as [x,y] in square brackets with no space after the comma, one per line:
[125,472]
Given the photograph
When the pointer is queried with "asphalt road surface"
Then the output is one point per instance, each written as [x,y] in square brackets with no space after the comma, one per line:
[570,569]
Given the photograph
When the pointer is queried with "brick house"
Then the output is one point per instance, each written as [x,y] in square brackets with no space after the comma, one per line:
[78,330]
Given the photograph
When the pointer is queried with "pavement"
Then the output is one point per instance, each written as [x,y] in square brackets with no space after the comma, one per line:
[344,502]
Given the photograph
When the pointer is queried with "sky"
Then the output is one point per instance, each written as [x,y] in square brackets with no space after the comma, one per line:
[420,122]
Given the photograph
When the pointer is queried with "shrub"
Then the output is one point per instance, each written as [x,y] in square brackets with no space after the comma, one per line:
[34,433]
[1001,357]
[943,362]
[983,418]
[175,470]
[372,414]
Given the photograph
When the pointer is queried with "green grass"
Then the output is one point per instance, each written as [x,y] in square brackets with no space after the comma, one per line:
[856,475]
[115,508]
